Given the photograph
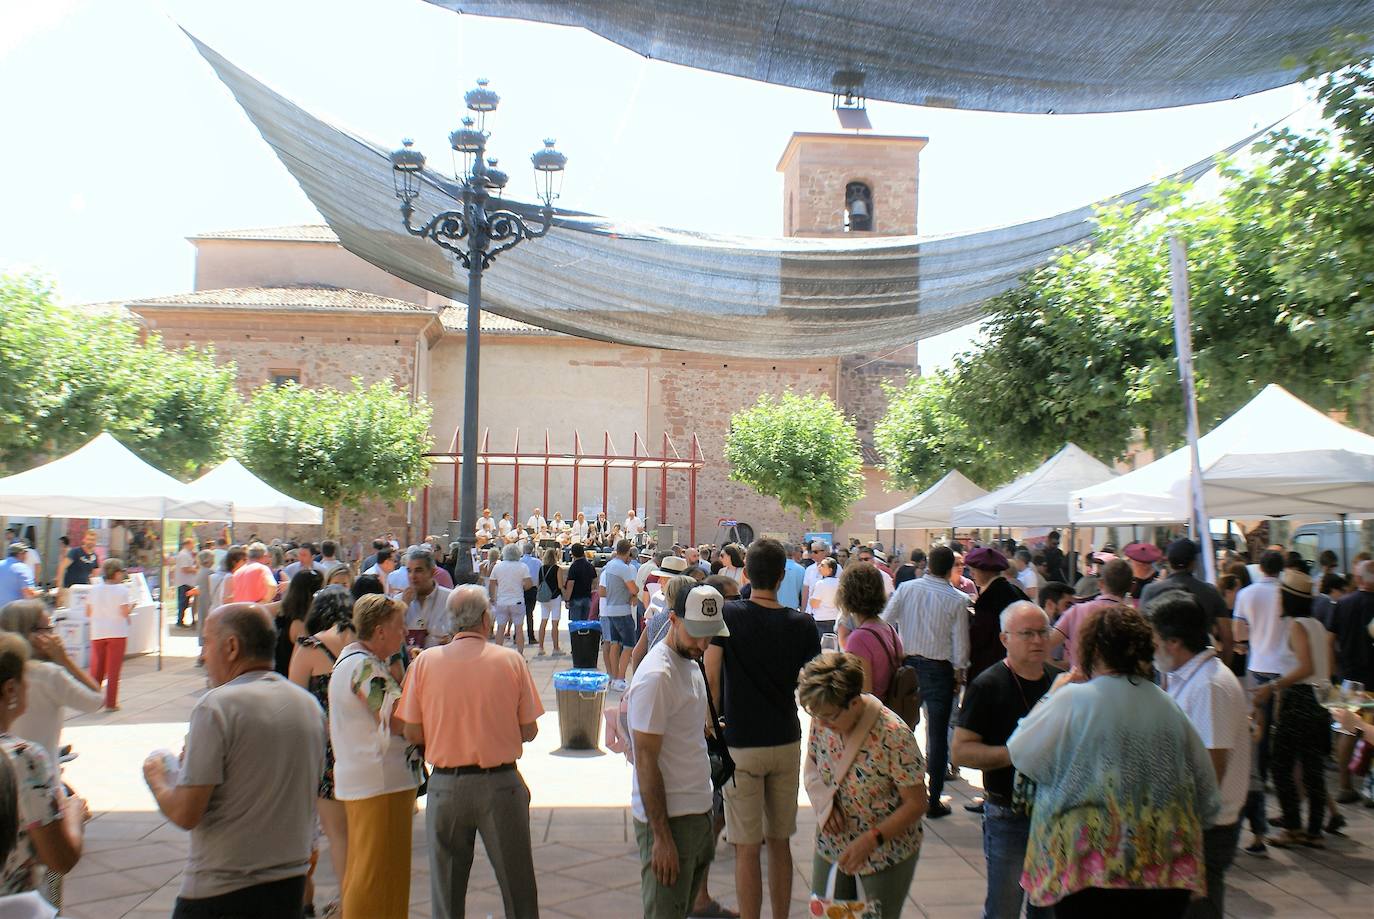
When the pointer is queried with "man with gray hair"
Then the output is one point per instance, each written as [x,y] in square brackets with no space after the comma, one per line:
[996,700]
[253,581]
[473,706]
[427,618]
[247,777]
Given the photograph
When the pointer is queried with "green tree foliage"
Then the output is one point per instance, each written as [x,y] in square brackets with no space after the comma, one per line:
[337,448]
[66,375]
[799,449]
[1281,269]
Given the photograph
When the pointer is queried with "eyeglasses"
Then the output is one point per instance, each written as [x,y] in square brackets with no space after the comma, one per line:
[1028,634]
[44,628]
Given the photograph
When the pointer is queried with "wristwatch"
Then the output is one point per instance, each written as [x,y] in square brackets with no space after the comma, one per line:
[878,835]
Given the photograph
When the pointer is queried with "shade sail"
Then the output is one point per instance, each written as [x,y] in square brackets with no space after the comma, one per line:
[1038,498]
[104,479]
[1276,456]
[662,288]
[251,499]
[932,508]
[1031,56]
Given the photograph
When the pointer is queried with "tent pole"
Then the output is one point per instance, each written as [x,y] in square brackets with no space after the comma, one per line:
[1345,557]
[1073,554]
[161,589]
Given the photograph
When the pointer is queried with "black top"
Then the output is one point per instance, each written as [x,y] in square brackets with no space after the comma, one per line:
[1138,585]
[1054,562]
[985,629]
[1208,597]
[763,656]
[993,705]
[80,567]
[905,573]
[282,657]
[1350,623]
[581,575]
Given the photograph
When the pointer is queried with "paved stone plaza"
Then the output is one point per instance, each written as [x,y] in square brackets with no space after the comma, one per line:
[584,846]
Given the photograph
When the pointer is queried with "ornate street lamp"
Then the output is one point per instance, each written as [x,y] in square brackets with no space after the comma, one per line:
[475,234]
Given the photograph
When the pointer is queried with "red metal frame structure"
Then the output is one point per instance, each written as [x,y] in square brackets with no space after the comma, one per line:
[609,458]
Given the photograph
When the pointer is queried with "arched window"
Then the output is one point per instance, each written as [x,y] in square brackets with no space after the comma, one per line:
[858,207]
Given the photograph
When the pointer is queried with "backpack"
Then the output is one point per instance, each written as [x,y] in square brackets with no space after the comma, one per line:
[903,696]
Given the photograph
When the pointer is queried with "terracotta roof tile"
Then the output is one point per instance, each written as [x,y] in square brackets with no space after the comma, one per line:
[313,298]
[306,232]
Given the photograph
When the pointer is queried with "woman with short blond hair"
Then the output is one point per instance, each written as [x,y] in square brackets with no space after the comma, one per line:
[375,771]
[866,779]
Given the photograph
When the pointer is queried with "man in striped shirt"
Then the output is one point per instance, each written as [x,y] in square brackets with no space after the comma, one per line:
[932,618]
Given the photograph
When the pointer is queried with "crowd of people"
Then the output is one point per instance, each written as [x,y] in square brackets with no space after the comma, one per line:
[1125,725]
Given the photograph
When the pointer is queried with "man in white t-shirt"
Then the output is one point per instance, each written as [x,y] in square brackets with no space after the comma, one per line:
[184,570]
[1212,698]
[634,527]
[1025,573]
[671,790]
[536,522]
[819,550]
[1258,617]
[486,526]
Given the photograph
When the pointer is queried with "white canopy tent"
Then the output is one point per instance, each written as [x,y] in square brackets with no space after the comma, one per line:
[1039,497]
[251,499]
[1275,457]
[932,508]
[105,479]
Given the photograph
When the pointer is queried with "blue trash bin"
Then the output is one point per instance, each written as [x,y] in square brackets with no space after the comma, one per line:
[581,696]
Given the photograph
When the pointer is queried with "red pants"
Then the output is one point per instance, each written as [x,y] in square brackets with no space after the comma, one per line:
[107,659]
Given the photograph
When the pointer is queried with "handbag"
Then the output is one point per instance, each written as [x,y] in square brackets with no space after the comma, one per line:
[545,592]
[903,696]
[822,795]
[717,751]
[825,905]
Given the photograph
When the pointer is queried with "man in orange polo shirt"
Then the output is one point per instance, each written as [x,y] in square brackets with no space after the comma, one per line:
[473,706]
[253,582]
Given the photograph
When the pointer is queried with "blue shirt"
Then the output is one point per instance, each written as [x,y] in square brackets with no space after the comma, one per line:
[789,591]
[532,564]
[14,577]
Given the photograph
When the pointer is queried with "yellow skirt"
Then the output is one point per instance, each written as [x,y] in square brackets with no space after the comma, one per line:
[377,874]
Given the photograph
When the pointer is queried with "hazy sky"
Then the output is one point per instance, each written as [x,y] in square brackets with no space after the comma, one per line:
[120,142]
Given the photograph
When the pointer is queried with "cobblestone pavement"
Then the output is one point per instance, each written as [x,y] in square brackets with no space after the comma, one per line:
[584,849]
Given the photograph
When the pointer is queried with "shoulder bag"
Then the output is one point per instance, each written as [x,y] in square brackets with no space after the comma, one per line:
[822,795]
[722,763]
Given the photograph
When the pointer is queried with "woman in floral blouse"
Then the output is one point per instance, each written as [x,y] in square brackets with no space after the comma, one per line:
[1123,784]
[873,829]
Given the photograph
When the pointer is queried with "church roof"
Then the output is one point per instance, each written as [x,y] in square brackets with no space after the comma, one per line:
[305,232]
[287,299]
[319,298]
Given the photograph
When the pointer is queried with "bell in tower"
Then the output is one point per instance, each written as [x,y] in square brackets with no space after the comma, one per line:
[858,208]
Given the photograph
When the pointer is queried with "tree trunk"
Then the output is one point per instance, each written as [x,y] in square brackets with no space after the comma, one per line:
[331,520]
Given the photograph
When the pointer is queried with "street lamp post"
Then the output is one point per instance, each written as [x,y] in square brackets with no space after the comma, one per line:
[475,235]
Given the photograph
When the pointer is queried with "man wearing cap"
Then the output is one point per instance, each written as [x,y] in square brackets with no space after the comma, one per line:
[1142,557]
[671,789]
[867,555]
[995,593]
[1182,555]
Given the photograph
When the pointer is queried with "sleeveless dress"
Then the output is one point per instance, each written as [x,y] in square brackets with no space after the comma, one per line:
[318,686]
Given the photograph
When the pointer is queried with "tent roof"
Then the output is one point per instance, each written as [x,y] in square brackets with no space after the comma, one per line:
[1029,56]
[252,499]
[104,479]
[932,508]
[1039,497]
[639,284]
[1276,456]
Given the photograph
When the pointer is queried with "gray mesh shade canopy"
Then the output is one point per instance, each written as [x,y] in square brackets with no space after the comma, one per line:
[636,284]
[1030,56]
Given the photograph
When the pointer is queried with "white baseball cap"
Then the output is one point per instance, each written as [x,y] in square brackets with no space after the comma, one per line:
[700,610]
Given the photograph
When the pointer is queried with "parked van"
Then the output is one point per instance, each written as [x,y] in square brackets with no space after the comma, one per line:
[1312,539]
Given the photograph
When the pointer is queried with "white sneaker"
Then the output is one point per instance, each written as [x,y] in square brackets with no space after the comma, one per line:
[618,685]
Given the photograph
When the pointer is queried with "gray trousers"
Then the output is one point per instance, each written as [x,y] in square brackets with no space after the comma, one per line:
[497,805]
